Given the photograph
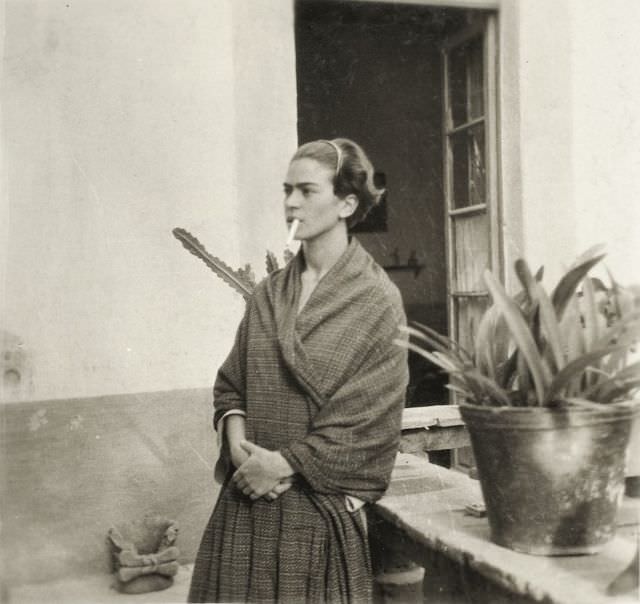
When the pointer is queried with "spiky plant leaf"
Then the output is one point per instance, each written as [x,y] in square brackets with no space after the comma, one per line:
[492,392]
[547,314]
[600,390]
[489,343]
[444,340]
[569,282]
[424,354]
[627,327]
[590,314]
[595,250]
[238,280]
[459,391]
[521,334]
[433,343]
[619,390]
[575,369]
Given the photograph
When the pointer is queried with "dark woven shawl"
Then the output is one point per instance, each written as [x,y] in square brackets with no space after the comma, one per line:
[326,388]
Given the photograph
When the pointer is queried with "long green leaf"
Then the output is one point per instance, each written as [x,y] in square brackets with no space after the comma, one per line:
[615,288]
[444,340]
[573,337]
[615,362]
[492,390]
[584,403]
[445,360]
[488,342]
[507,371]
[621,390]
[567,286]
[627,327]
[595,250]
[590,314]
[526,278]
[521,334]
[532,311]
[461,391]
[547,315]
[523,377]
[575,369]
[436,344]
[423,353]
[551,327]
[630,372]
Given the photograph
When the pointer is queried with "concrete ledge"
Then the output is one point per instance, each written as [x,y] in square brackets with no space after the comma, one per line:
[424,513]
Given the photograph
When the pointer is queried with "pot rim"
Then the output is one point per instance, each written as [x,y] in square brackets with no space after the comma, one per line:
[545,418]
[632,405]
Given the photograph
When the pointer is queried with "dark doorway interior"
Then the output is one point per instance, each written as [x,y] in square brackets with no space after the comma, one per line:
[372,72]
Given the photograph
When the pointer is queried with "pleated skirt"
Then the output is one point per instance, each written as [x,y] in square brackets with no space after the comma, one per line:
[301,548]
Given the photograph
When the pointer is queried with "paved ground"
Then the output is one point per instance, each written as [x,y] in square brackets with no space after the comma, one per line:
[98,589]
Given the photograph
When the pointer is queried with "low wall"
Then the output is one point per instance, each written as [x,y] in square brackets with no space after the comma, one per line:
[71,469]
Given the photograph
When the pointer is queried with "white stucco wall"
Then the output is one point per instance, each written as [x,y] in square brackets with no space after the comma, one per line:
[545,109]
[578,97]
[121,121]
[124,120]
[606,123]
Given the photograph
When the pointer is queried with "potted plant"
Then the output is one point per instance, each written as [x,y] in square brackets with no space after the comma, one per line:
[547,397]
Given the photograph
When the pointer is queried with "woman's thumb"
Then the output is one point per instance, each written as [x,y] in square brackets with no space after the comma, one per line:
[247,446]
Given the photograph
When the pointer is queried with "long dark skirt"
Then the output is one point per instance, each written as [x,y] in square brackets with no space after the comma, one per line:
[301,548]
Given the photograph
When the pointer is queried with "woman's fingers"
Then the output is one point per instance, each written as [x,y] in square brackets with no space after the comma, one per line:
[279,489]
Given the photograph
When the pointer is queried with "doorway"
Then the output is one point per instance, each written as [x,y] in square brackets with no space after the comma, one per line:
[374,72]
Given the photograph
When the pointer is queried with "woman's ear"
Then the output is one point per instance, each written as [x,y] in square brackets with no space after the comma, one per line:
[349,206]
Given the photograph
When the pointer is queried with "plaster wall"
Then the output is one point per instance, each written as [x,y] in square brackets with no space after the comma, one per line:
[577,94]
[122,120]
[545,111]
[606,122]
[69,472]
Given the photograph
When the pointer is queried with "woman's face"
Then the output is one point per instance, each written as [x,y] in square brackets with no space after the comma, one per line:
[309,196]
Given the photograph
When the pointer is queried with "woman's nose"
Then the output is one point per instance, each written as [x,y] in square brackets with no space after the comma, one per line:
[292,200]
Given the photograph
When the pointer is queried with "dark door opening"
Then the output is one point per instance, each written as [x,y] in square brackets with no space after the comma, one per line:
[373,73]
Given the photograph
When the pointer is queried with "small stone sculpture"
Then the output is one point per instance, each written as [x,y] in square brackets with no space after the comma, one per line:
[144,556]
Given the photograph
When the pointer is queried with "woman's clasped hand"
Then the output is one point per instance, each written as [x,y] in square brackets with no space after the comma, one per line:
[261,472]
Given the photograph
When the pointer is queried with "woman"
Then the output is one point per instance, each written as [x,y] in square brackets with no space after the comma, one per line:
[309,404]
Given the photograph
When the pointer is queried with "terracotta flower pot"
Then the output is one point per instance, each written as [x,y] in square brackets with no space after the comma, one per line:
[552,479]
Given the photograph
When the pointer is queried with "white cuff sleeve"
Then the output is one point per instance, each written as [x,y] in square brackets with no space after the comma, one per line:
[221,424]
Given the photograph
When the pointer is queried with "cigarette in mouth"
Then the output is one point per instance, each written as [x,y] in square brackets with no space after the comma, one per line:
[292,231]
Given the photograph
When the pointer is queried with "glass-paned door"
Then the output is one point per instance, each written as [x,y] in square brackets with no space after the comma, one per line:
[470,175]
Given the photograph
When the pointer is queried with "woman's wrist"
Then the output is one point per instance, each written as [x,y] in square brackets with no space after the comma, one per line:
[283,467]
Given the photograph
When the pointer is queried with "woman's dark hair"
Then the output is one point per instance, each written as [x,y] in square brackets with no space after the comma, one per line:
[353,172]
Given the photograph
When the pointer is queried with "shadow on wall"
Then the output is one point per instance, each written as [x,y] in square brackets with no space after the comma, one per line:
[74,468]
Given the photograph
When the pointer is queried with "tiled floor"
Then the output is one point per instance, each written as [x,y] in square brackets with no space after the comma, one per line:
[98,590]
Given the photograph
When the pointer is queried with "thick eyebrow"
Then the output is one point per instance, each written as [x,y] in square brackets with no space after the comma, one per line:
[299,185]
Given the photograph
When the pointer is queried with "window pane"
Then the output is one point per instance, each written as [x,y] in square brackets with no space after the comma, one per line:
[460,168]
[466,82]
[471,245]
[458,85]
[470,311]
[467,149]
[476,165]
[476,89]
